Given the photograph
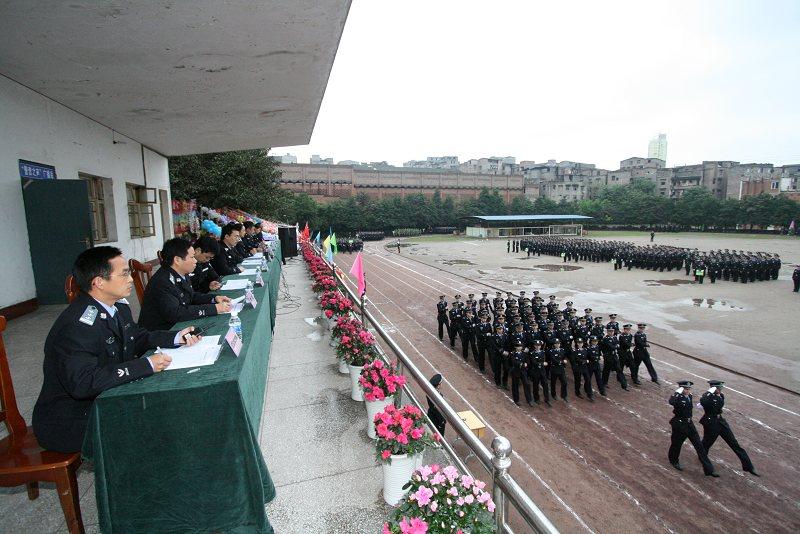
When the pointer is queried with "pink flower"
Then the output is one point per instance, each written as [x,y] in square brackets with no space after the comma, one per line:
[423,495]
[417,433]
[385,454]
[437,479]
[460,501]
[480,484]
[328,314]
[469,499]
[453,491]
[391,389]
[402,439]
[425,471]
[384,373]
[451,473]
[435,468]
[378,364]
[377,393]
[345,339]
[490,506]
[381,429]
[483,498]
[386,529]
[413,526]
[466,481]
[434,505]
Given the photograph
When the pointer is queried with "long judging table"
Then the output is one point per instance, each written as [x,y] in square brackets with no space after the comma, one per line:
[179,451]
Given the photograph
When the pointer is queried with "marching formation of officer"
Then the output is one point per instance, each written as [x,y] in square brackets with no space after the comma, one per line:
[535,342]
[733,265]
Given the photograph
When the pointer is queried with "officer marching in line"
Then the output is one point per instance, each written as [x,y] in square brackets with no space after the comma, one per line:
[441,316]
[580,360]
[557,361]
[593,358]
[714,425]
[537,372]
[641,354]
[610,347]
[483,334]
[454,316]
[683,427]
[467,333]
[497,354]
[625,355]
[519,375]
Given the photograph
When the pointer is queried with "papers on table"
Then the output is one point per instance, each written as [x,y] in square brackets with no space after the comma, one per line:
[231,285]
[200,354]
[248,272]
[258,255]
[237,300]
[251,263]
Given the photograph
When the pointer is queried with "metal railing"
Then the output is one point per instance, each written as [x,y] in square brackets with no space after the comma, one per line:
[496,462]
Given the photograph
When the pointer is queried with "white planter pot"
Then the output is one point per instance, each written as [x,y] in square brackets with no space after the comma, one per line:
[373,408]
[395,476]
[356,393]
[343,367]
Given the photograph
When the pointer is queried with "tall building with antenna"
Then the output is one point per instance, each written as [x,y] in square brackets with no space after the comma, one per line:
[658,147]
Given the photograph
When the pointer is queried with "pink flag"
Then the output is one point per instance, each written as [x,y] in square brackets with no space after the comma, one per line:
[357,270]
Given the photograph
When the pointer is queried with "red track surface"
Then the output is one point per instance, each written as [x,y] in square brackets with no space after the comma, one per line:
[602,466]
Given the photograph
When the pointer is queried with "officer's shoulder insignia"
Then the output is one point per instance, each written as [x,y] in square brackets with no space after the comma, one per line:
[89,315]
[122,301]
[110,341]
[172,279]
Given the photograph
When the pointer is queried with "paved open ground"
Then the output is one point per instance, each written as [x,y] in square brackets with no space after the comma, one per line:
[602,466]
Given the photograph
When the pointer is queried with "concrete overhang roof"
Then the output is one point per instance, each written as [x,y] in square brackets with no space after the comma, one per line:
[180,77]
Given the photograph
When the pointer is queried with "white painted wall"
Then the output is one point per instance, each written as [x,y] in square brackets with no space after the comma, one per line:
[35,128]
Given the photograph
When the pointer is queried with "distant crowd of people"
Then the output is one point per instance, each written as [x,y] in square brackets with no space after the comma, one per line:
[725,264]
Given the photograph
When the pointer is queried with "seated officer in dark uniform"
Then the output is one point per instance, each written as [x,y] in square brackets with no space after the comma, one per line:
[205,278]
[170,297]
[92,347]
[226,261]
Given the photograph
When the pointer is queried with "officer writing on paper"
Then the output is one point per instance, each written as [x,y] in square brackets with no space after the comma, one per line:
[170,297]
[92,347]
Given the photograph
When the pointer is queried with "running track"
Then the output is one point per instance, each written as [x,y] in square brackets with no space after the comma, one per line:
[602,467]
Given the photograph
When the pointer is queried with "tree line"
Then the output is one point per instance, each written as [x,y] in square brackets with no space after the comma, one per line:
[248,180]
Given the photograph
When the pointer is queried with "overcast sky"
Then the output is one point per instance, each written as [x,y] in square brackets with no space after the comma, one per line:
[590,81]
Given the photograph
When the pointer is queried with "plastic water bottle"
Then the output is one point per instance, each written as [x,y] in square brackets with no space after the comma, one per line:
[249,285]
[235,323]
[264,265]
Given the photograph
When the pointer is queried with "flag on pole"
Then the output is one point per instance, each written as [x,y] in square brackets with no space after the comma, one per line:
[792,226]
[329,255]
[306,232]
[326,245]
[357,270]
[334,244]
[317,239]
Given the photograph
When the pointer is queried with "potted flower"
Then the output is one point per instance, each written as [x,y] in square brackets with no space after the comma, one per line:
[380,382]
[440,501]
[324,283]
[334,303]
[346,325]
[401,441]
[356,350]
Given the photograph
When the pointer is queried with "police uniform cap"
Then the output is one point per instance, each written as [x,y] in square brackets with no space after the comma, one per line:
[552,297]
[522,292]
[610,328]
[556,341]
[716,383]
[498,293]
[535,292]
[612,315]
[640,325]
[537,341]
[626,326]
[436,380]
[498,326]
[484,294]
[569,303]
[441,296]
[587,310]
[685,383]
[598,318]
[582,319]
[593,338]
[458,296]
[518,343]
[579,340]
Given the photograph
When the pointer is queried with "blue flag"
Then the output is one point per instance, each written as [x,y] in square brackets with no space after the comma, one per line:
[329,255]
[316,239]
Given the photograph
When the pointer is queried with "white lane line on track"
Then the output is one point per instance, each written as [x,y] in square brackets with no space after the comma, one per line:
[656,359]
[530,469]
[569,447]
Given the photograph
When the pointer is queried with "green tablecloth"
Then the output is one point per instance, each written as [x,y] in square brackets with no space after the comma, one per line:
[179,452]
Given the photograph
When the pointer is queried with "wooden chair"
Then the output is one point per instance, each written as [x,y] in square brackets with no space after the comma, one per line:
[23,461]
[71,288]
[141,273]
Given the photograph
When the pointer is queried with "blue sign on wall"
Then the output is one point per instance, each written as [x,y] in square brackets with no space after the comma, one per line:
[36,171]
